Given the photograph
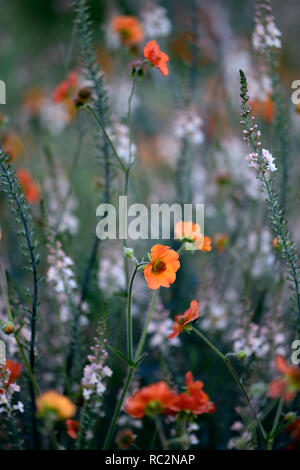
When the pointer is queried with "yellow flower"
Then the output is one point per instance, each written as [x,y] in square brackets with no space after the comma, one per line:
[57,403]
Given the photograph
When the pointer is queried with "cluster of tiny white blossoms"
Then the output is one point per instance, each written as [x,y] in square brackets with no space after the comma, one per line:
[188,125]
[216,317]
[7,391]
[95,373]
[155,21]
[266,34]
[111,277]
[61,220]
[260,341]
[120,137]
[61,275]
[267,158]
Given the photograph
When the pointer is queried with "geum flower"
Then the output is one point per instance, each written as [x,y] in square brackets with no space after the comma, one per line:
[72,428]
[288,385]
[155,398]
[65,89]
[161,271]
[30,187]
[156,57]
[129,29]
[190,234]
[194,400]
[14,370]
[55,404]
[182,321]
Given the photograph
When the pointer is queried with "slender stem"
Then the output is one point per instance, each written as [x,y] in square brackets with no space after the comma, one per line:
[117,410]
[129,116]
[133,366]
[277,416]
[129,316]
[226,360]
[161,433]
[144,333]
[99,121]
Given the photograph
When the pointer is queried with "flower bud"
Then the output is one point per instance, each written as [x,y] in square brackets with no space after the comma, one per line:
[8,328]
[241,355]
[128,252]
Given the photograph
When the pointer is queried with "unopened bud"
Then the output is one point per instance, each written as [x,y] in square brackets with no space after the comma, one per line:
[128,252]
[241,355]
[8,328]
[125,439]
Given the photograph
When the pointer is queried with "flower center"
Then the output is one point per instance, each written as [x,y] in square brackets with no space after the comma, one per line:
[158,266]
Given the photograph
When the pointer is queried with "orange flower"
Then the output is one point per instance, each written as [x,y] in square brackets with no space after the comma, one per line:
[14,369]
[52,401]
[194,400]
[129,29]
[65,88]
[30,187]
[221,241]
[293,430]
[161,271]
[157,58]
[72,428]
[155,398]
[125,438]
[12,145]
[288,385]
[181,321]
[191,233]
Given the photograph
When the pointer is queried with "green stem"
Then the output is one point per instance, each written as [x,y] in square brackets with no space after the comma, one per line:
[144,333]
[99,121]
[129,316]
[161,433]
[117,410]
[236,378]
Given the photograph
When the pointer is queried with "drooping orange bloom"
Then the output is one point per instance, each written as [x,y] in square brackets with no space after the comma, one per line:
[181,321]
[72,428]
[66,88]
[288,385]
[129,29]
[52,401]
[161,271]
[191,233]
[14,369]
[155,398]
[30,187]
[221,241]
[194,400]
[157,58]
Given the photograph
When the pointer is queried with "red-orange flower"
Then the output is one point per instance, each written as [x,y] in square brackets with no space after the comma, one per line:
[14,369]
[288,385]
[263,109]
[12,145]
[30,187]
[191,233]
[157,58]
[155,398]
[194,400]
[72,428]
[129,28]
[181,321]
[161,271]
[65,88]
